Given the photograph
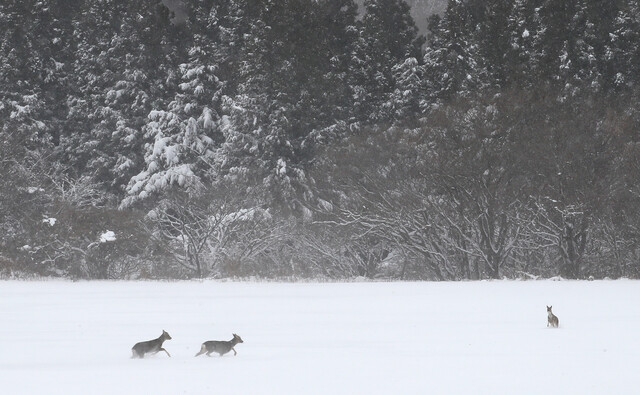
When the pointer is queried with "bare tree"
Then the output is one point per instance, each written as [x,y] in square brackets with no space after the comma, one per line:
[199,231]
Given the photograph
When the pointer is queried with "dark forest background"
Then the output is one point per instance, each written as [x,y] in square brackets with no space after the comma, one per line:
[312,139]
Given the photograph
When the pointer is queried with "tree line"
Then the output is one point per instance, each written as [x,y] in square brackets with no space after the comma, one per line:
[314,139]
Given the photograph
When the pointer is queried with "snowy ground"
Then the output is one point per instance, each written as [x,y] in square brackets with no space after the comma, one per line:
[347,338]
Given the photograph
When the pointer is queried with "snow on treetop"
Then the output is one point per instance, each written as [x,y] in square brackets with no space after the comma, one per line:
[245,214]
[282,167]
[172,154]
[50,221]
[107,236]
[160,145]
[32,190]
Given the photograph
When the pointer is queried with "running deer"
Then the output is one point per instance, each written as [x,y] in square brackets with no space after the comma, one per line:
[151,346]
[219,346]
[551,318]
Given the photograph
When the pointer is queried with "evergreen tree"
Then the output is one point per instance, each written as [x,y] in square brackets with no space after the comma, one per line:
[623,50]
[522,56]
[579,67]
[35,59]
[409,92]
[183,136]
[290,92]
[387,37]
[491,17]
[453,62]
[116,81]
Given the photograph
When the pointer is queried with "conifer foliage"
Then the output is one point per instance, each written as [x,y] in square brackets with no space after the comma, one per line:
[319,138]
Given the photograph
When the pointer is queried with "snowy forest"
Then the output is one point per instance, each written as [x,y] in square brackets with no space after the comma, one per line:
[319,139]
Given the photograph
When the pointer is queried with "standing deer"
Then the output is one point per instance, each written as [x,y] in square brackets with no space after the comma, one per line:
[551,318]
[219,346]
[150,346]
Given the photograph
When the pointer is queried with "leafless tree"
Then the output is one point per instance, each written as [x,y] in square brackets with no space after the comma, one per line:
[212,231]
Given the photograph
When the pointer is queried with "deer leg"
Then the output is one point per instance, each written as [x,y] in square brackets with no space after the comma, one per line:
[234,351]
[162,349]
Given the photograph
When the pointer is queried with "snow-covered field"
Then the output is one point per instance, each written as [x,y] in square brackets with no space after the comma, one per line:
[344,338]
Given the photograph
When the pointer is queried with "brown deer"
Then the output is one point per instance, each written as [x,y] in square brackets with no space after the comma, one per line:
[150,346]
[551,318]
[219,346]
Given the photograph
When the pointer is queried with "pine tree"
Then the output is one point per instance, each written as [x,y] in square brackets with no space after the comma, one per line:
[182,137]
[623,51]
[554,25]
[291,90]
[582,69]
[390,31]
[453,62]
[387,37]
[522,56]
[492,38]
[35,58]
[115,86]
[409,92]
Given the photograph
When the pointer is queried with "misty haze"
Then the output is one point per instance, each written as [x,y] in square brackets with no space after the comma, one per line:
[346,196]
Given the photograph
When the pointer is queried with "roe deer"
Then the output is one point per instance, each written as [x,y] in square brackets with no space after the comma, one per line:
[219,346]
[551,318]
[150,346]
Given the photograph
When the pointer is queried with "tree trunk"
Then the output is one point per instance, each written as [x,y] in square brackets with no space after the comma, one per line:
[572,246]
